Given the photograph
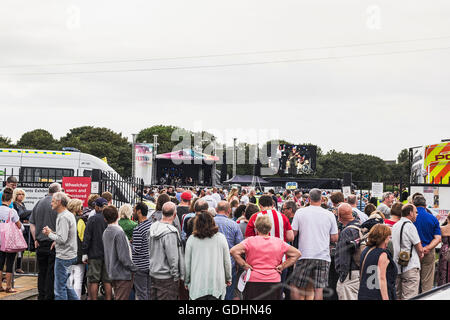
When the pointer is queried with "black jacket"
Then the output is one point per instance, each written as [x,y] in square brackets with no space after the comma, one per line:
[343,259]
[92,240]
[22,211]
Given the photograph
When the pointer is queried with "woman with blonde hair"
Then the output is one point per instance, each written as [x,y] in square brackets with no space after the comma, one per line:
[19,196]
[125,213]
[378,269]
[233,195]
[77,270]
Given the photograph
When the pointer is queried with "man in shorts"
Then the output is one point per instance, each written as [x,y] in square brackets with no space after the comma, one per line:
[315,227]
[93,253]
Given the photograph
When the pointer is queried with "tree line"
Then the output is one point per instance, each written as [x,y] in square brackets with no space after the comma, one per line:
[104,142]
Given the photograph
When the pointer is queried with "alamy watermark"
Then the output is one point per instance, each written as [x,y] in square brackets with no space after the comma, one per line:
[211,141]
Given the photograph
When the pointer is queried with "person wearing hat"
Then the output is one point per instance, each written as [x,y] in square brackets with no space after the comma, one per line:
[99,203]
[93,252]
[185,203]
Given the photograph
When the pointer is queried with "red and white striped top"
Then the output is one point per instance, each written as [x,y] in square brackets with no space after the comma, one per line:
[280,224]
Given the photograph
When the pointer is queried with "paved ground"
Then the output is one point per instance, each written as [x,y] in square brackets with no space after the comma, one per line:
[26,287]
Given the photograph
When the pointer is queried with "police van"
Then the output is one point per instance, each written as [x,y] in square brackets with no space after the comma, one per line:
[37,169]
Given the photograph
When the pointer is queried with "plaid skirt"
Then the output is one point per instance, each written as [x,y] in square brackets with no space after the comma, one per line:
[312,271]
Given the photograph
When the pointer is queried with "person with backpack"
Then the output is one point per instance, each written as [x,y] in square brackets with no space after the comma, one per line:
[348,252]
[405,238]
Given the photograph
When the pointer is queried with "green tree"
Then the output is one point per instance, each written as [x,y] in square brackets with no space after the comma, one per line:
[38,139]
[171,138]
[363,167]
[400,171]
[102,142]
[165,143]
[5,142]
[403,156]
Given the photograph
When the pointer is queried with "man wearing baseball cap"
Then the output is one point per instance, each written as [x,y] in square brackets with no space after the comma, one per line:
[93,252]
[99,204]
[183,207]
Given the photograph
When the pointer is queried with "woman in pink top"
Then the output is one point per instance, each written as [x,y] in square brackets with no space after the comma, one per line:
[264,257]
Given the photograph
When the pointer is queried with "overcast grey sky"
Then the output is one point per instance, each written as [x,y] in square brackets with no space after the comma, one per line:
[375,99]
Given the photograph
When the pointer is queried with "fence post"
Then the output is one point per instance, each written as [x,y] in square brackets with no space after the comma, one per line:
[142,189]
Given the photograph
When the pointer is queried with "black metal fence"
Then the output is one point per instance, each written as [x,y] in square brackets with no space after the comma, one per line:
[124,190]
[397,187]
[35,182]
[128,190]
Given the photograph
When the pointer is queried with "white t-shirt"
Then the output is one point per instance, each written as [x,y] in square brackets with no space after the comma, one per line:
[410,237]
[216,197]
[211,201]
[245,200]
[314,225]
[4,212]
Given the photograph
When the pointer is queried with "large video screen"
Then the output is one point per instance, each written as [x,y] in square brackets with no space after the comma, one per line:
[295,160]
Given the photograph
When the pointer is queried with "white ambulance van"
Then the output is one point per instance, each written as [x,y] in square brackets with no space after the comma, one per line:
[36,169]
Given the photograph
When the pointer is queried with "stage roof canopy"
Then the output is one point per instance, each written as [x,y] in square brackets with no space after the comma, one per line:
[187,154]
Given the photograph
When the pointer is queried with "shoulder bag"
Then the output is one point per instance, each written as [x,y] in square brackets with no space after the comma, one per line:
[404,256]
[11,237]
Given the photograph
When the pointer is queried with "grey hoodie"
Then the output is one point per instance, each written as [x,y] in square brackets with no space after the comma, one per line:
[166,254]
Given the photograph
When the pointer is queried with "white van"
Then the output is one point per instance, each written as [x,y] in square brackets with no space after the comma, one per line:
[36,169]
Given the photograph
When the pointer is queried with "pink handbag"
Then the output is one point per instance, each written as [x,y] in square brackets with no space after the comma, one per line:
[11,237]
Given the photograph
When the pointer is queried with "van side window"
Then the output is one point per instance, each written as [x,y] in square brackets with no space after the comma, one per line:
[87,173]
[30,174]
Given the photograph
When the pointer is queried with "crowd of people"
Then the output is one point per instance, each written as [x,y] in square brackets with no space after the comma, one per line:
[212,244]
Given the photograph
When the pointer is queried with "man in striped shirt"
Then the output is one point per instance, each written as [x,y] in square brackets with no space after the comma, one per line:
[140,252]
[281,228]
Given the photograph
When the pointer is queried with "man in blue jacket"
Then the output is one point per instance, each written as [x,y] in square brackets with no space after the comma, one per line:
[430,235]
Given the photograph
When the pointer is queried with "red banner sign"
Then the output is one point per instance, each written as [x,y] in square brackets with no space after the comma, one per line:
[77,188]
